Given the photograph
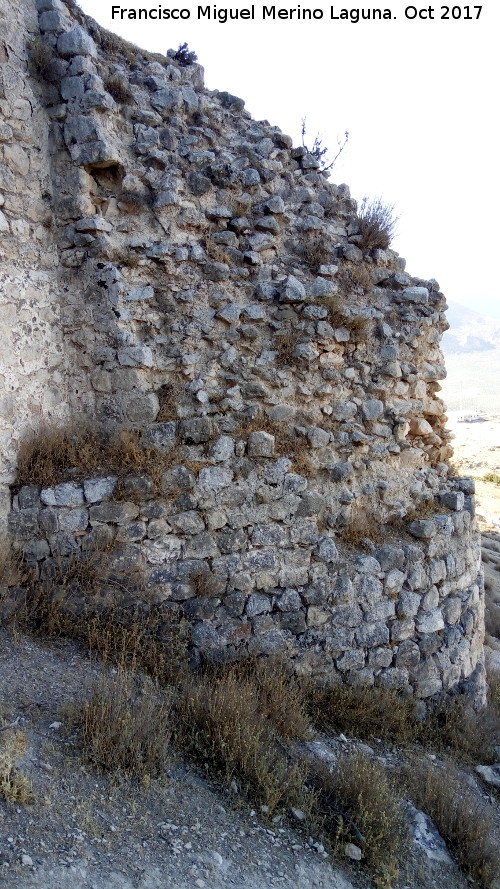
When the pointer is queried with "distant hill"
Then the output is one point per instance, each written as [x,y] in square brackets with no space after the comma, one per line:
[469,331]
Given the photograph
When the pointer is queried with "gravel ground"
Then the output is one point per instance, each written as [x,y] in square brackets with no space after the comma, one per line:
[86,830]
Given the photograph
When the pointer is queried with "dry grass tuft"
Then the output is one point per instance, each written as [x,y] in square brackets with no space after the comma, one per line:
[377,224]
[82,600]
[220,722]
[355,276]
[453,726]
[171,395]
[117,87]
[11,565]
[217,252]
[366,713]
[463,818]
[285,346]
[363,524]
[359,803]
[126,729]
[59,453]
[283,697]
[316,250]
[14,786]
[207,584]
[45,457]
[287,442]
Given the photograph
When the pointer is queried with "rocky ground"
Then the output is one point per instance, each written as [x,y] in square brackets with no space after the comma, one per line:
[86,830]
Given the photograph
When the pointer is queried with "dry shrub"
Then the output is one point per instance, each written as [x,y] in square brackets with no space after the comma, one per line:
[359,803]
[45,456]
[117,87]
[126,729]
[221,723]
[113,46]
[170,395]
[14,786]
[58,453]
[463,818]
[217,252]
[283,698]
[364,523]
[207,584]
[366,713]
[492,477]
[316,250]
[355,276]
[358,327]
[81,599]
[455,727]
[377,224]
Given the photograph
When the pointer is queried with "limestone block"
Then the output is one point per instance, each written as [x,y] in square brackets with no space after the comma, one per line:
[257,603]
[322,287]
[346,616]
[423,529]
[215,477]
[292,290]
[311,503]
[143,409]
[260,444]
[408,604]
[430,622]
[76,43]
[223,448]
[201,546]
[29,496]
[453,499]
[317,437]
[72,520]
[418,295]
[135,356]
[371,635]
[382,610]
[394,581]
[52,21]
[370,589]
[117,513]
[189,522]
[64,494]
[326,550]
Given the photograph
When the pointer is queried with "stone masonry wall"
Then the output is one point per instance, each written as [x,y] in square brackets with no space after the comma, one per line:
[205,286]
[31,341]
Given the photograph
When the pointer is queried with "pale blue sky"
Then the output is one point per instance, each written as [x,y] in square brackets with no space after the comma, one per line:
[418,97]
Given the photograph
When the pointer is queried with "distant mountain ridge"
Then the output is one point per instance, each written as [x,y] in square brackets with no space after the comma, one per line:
[469,331]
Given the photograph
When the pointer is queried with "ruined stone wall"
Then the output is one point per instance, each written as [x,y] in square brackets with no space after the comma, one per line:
[31,347]
[215,295]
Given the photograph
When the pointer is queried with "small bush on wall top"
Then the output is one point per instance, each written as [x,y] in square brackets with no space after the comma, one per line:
[377,224]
